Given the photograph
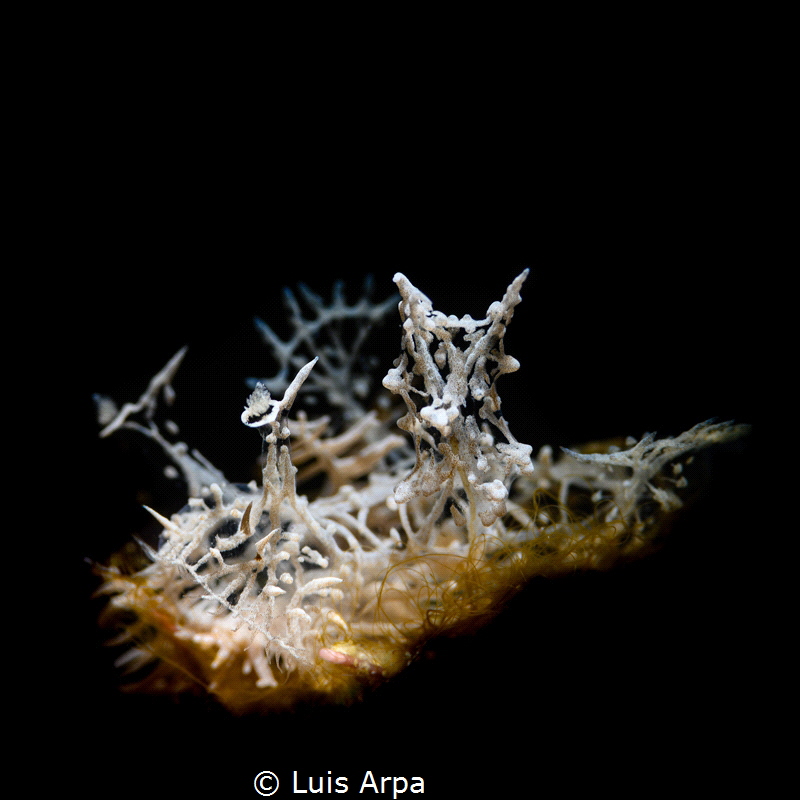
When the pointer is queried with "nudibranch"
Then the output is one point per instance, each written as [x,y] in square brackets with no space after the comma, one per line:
[428,511]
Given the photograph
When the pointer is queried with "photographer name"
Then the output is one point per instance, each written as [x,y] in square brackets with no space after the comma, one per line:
[371,784]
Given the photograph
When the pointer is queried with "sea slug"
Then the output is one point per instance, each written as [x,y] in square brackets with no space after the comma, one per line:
[371,528]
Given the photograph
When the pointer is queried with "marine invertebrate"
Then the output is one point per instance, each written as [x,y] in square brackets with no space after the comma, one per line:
[260,593]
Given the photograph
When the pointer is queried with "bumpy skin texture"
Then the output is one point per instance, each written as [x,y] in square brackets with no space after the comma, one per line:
[261,595]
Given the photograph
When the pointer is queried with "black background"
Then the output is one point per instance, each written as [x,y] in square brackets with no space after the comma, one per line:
[644,246]
[582,675]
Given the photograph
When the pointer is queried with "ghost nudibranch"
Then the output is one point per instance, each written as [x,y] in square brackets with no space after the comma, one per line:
[427,512]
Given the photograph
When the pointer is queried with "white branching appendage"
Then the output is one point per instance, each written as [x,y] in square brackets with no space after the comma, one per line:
[453,417]
[262,595]
[335,334]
